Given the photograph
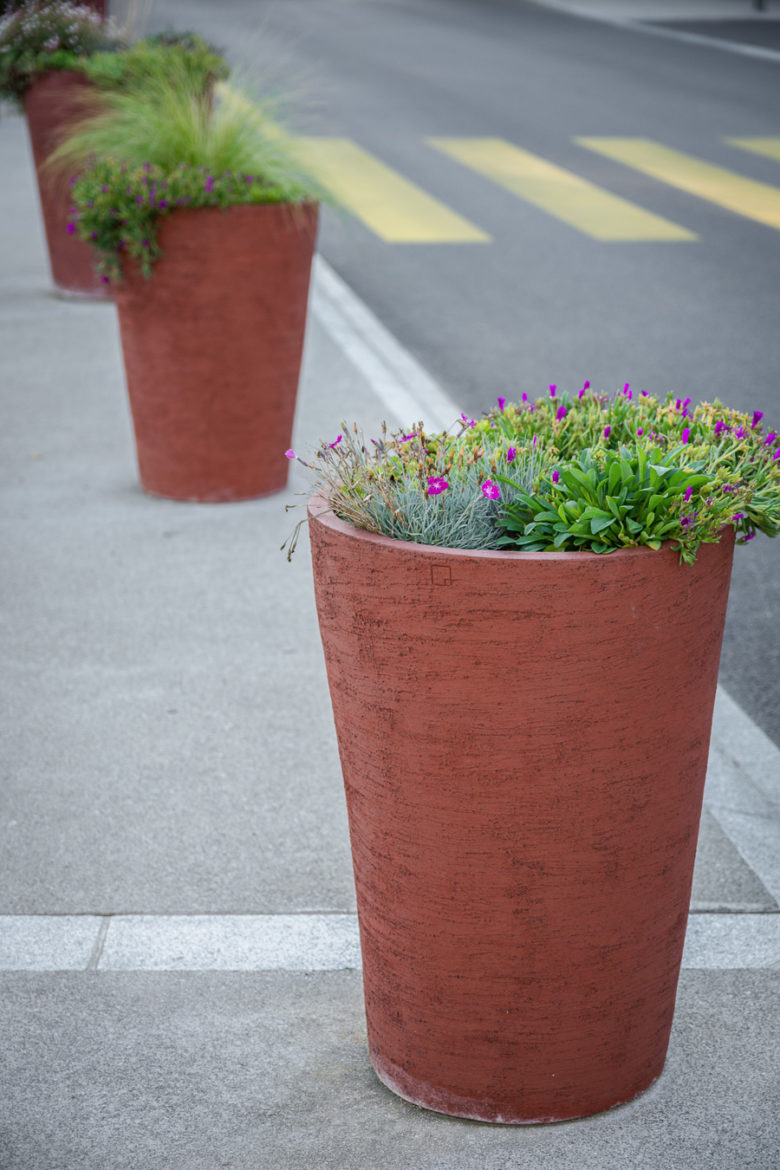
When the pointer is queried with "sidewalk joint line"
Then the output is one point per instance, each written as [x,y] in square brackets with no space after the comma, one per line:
[97,950]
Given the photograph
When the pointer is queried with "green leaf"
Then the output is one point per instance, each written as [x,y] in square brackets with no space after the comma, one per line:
[599,523]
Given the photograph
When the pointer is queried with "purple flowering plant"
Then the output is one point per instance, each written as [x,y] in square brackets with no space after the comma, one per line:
[164,144]
[49,34]
[608,472]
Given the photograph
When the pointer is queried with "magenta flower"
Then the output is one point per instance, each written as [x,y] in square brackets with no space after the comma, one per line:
[720,427]
[757,416]
[688,494]
[738,516]
[607,432]
[406,438]
[490,490]
[584,388]
[209,184]
[739,433]
[467,422]
[501,404]
[336,441]
[561,412]
[686,434]
[556,475]
[71,228]
[525,398]
[535,441]
[511,454]
[290,454]
[436,485]
[552,391]
[640,430]
[769,440]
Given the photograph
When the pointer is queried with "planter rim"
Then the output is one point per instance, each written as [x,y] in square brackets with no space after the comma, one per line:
[327,517]
[180,213]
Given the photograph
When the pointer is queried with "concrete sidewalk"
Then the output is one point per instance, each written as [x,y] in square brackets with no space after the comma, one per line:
[179,983]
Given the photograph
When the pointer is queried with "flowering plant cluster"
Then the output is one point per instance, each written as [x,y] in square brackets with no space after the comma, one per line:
[587,472]
[119,210]
[49,34]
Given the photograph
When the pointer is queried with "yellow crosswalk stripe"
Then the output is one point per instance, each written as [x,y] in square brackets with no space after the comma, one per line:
[758,201]
[579,203]
[769,147]
[397,210]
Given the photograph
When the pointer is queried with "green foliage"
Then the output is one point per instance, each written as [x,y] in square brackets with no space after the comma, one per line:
[590,473]
[386,487]
[615,500]
[164,144]
[199,62]
[48,34]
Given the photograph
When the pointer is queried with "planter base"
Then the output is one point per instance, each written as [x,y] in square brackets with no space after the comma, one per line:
[50,104]
[212,346]
[524,742]
[427,1096]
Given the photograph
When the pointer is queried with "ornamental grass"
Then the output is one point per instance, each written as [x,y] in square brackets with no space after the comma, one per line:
[564,472]
[165,143]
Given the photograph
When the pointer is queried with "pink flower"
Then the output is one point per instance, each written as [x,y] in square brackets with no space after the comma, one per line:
[336,441]
[71,228]
[640,431]
[561,412]
[511,454]
[290,454]
[607,431]
[501,404]
[584,388]
[490,490]
[552,391]
[556,475]
[686,434]
[436,485]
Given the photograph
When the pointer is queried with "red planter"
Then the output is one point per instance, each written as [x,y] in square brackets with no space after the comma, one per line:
[212,346]
[524,744]
[51,103]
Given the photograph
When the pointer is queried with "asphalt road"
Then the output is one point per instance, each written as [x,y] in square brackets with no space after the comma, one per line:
[541,300]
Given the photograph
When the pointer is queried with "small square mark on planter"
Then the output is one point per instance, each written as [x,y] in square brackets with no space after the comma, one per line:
[441,575]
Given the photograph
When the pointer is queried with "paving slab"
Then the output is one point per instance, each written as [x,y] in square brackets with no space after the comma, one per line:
[196,1072]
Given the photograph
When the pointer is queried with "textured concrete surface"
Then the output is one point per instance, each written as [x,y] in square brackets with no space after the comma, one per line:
[270,1072]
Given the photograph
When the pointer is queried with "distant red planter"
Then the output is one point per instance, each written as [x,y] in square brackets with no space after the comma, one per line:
[51,103]
[523,738]
[212,346]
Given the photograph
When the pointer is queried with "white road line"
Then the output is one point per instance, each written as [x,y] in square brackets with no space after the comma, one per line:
[636,24]
[295,942]
[397,379]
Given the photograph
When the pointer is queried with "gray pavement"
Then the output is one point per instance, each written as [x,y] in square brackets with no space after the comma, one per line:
[179,975]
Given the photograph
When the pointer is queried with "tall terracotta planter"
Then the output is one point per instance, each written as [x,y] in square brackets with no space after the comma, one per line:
[523,739]
[51,103]
[212,346]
